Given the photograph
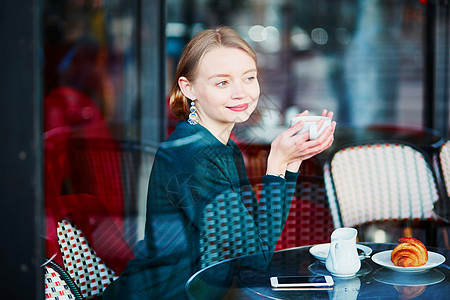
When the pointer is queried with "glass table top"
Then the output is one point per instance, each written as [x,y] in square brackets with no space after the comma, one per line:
[239,279]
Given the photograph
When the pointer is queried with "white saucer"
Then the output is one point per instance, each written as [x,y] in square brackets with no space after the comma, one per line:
[320,251]
[384,259]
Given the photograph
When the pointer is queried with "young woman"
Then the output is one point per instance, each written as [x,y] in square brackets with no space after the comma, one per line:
[199,172]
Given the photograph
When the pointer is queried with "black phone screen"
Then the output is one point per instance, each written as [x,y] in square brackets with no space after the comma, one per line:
[301,279]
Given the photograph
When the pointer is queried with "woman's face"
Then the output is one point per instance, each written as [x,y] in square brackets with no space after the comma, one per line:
[226,87]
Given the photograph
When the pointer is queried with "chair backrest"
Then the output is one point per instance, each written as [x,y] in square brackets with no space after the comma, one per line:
[57,283]
[309,221]
[379,181]
[87,270]
[444,158]
[115,174]
[234,224]
[227,230]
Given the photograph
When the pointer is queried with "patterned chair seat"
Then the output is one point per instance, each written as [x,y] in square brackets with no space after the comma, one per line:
[87,270]
[57,283]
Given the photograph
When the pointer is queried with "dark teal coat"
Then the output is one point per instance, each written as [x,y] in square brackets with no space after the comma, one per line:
[200,209]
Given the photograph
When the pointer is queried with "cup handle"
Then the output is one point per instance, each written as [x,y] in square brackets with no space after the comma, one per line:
[333,255]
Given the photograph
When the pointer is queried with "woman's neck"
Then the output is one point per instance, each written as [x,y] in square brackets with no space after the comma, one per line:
[222,132]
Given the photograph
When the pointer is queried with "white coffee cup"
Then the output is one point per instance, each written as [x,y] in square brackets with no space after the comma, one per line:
[310,124]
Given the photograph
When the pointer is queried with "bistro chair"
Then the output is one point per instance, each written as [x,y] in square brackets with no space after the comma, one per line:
[224,233]
[380,182]
[85,179]
[444,159]
[100,185]
[441,162]
[309,221]
[228,227]
[85,268]
[58,285]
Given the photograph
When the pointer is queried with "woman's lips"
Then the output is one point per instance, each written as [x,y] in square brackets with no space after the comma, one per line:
[240,107]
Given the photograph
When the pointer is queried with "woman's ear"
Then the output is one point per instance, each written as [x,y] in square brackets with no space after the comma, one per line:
[186,88]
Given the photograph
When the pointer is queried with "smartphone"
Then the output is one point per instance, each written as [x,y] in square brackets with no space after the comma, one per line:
[301,281]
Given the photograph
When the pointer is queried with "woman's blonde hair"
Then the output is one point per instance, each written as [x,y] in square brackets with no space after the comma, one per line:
[193,53]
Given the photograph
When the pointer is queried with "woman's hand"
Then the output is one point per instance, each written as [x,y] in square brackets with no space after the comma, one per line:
[289,150]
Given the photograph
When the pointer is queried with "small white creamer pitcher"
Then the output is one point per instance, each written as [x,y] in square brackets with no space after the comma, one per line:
[343,259]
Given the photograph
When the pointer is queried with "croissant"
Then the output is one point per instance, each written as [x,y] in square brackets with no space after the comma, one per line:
[409,253]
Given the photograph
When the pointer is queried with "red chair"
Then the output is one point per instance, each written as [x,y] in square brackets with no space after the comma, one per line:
[309,220]
[85,183]
[83,171]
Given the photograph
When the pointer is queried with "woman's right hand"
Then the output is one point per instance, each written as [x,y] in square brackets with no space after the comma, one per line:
[288,150]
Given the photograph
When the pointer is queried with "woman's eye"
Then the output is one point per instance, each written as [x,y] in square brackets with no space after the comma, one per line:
[222,83]
[250,79]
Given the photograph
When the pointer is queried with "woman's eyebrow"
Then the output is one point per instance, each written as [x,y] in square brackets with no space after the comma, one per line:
[228,75]
[218,75]
[251,71]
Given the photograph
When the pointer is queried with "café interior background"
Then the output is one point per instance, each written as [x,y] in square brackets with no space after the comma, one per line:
[362,59]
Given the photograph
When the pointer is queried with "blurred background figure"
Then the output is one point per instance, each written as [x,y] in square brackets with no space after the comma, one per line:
[372,64]
[83,167]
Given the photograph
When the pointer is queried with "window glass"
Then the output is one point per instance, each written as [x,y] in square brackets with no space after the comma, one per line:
[90,49]
[95,168]
[361,59]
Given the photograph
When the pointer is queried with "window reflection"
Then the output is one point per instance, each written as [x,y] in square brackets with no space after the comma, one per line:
[362,59]
[91,175]
[89,46]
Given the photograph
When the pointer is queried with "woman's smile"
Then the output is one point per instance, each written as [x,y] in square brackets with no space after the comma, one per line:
[238,108]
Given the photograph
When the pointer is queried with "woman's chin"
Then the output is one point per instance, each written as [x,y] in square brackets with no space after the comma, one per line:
[241,119]
[242,116]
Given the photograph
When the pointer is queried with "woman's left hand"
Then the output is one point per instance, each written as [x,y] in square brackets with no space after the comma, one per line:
[289,149]
[308,148]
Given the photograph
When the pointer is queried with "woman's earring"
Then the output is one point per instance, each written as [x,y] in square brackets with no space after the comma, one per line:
[193,118]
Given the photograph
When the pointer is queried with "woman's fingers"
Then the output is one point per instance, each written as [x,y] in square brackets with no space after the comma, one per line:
[303,113]
[326,113]
[307,149]
[291,147]
[330,115]
[331,131]
[294,129]
[320,123]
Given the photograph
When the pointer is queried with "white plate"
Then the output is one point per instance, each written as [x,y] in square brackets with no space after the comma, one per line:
[384,259]
[321,251]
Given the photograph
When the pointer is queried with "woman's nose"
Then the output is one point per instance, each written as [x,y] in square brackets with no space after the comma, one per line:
[238,91]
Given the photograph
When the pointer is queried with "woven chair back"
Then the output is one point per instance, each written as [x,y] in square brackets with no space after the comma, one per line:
[234,226]
[383,181]
[444,157]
